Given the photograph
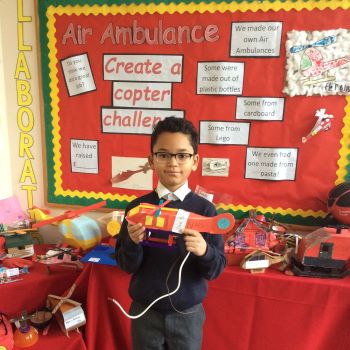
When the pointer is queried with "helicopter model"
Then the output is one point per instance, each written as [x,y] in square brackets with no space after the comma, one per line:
[172,221]
[312,64]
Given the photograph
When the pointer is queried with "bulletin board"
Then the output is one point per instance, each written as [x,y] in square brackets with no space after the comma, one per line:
[265,82]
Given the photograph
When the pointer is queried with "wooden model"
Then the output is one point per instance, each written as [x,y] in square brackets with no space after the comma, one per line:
[68,313]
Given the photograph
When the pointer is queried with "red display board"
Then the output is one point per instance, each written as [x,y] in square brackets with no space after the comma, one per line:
[110,72]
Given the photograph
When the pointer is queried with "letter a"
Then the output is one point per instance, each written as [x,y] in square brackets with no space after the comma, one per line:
[69,34]
[176,69]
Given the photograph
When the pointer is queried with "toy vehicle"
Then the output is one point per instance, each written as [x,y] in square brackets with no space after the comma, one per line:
[37,214]
[78,230]
[323,253]
[175,220]
[58,258]
[253,234]
[163,225]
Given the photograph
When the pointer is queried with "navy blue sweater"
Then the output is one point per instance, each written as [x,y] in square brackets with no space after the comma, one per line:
[150,266]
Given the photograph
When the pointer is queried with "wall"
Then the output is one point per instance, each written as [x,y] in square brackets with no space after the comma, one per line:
[21,144]
[24,136]
[5,174]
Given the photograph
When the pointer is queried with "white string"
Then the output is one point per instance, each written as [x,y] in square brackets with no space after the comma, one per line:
[167,288]
[153,302]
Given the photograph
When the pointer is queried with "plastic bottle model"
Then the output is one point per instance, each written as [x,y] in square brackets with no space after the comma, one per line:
[25,335]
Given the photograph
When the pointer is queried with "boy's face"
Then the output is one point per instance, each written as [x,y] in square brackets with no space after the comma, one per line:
[171,173]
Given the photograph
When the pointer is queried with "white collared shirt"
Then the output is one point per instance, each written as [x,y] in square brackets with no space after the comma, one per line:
[180,193]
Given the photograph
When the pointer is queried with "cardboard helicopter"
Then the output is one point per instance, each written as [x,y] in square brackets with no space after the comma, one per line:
[78,230]
[165,220]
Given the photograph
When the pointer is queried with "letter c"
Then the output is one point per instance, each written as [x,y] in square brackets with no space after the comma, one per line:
[193,34]
[111,60]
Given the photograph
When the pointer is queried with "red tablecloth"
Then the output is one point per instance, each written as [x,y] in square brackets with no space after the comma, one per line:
[106,327]
[244,311]
[273,311]
[30,294]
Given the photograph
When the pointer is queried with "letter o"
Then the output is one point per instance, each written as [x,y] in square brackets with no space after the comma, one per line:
[30,119]
[128,94]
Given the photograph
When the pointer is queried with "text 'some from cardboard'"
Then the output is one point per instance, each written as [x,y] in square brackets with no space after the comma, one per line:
[260,108]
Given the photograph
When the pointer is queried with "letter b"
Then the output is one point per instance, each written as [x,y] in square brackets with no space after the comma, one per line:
[24,97]
[135,33]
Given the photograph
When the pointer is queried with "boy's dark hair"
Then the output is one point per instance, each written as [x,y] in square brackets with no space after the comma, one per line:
[174,124]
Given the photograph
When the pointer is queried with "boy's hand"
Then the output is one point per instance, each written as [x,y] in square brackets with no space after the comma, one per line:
[194,242]
[136,232]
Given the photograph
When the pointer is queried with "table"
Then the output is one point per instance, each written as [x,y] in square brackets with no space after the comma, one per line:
[106,327]
[245,311]
[30,294]
[273,311]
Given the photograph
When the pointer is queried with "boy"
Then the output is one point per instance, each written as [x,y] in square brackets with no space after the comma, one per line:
[175,322]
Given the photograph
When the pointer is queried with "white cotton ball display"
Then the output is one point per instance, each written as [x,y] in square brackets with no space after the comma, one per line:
[330,75]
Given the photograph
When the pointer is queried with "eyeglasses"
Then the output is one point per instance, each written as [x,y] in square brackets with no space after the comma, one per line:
[164,157]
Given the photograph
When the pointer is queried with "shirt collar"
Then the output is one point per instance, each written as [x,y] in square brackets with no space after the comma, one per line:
[180,193]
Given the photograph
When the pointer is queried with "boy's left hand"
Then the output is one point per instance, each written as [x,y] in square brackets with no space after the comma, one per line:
[194,242]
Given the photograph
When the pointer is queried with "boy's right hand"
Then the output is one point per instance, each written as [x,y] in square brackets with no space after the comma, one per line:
[136,232]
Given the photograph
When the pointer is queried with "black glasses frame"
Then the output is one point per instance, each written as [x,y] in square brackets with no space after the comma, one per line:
[177,156]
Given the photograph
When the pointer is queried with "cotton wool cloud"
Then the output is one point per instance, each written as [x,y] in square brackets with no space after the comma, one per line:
[317,63]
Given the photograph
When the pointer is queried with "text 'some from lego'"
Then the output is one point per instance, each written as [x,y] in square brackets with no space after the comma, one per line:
[224,133]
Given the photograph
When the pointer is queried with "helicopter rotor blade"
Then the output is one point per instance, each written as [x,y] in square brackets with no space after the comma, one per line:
[295,49]
[328,40]
[325,41]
